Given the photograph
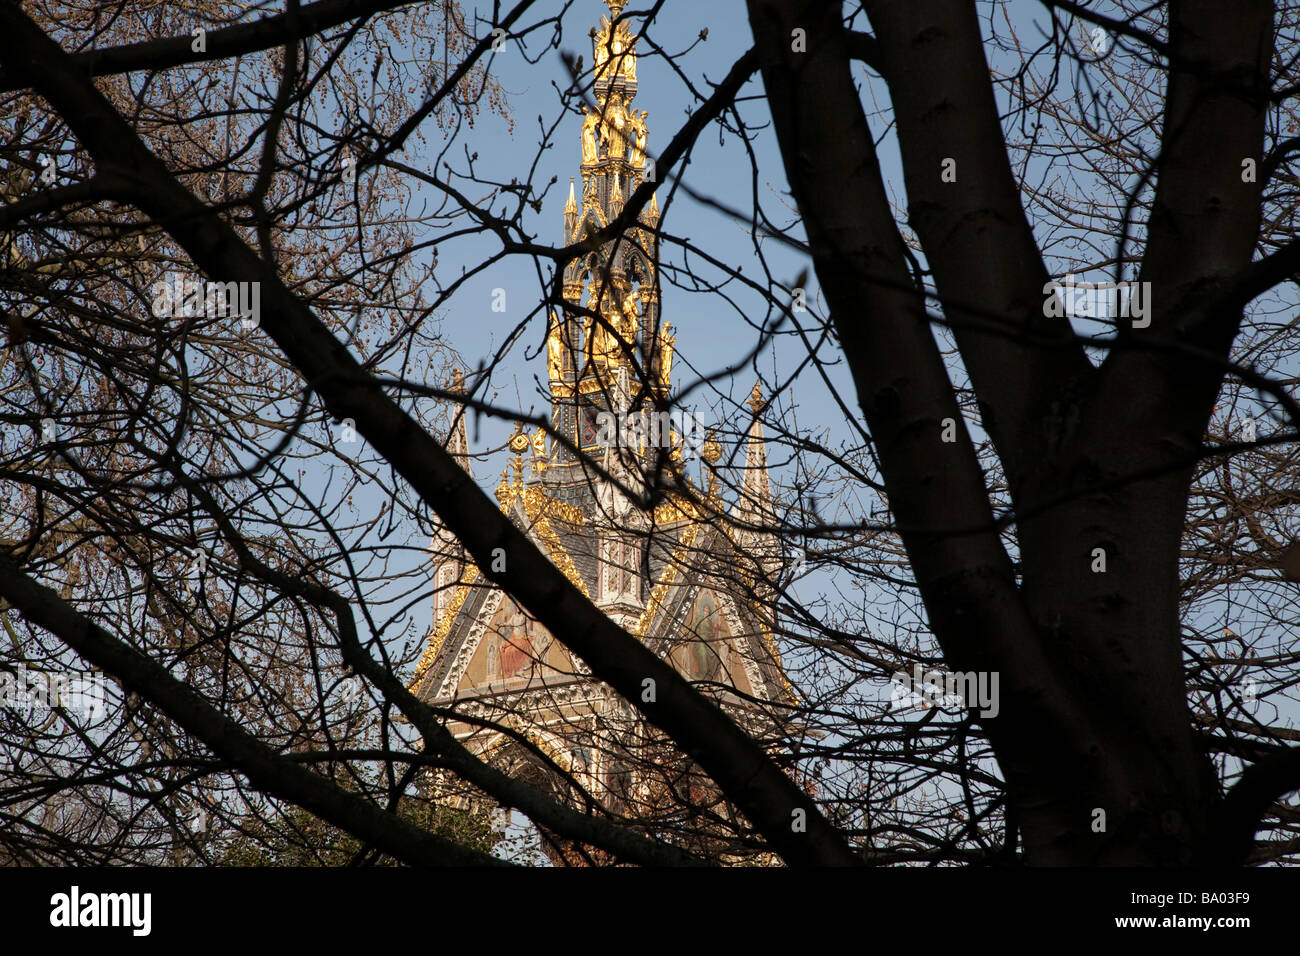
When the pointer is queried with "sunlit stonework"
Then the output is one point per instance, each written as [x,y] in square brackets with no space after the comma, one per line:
[679,568]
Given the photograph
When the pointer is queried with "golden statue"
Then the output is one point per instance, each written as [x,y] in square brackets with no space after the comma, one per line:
[639,134]
[617,119]
[666,354]
[539,451]
[603,343]
[630,316]
[589,125]
[614,45]
[629,58]
[555,351]
[624,58]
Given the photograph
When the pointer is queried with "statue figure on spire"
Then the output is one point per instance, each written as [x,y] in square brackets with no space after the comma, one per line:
[554,350]
[619,130]
[666,342]
[639,135]
[589,124]
[613,48]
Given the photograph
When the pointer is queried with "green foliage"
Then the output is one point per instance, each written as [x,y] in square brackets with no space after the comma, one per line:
[299,838]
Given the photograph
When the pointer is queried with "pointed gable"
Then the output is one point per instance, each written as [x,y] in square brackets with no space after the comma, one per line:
[513,650]
[706,649]
[706,620]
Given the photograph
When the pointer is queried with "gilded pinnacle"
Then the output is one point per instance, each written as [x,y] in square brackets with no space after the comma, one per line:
[712,451]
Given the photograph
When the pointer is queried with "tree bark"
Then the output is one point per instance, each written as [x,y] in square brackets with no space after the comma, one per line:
[1093,718]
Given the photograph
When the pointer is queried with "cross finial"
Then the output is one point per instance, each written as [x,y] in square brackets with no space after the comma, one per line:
[615,6]
[756,399]
[519,443]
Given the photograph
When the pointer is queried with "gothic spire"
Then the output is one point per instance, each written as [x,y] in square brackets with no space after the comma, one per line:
[457,441]
[755,503]
[447,553]
[617,282]
[754,510]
